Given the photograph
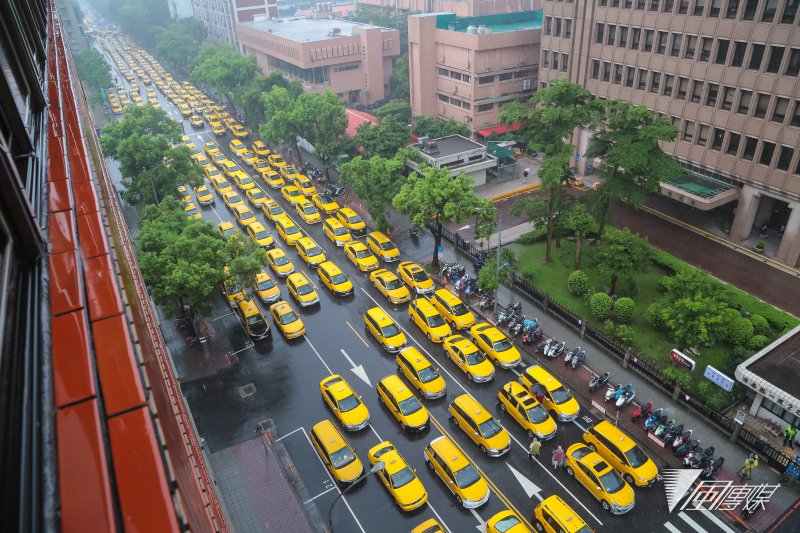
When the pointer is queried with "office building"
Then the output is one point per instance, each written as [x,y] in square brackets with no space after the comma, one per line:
[221,16]
[461,8]
[180,8]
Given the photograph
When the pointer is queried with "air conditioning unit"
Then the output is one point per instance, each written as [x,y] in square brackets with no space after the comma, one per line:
[526,85]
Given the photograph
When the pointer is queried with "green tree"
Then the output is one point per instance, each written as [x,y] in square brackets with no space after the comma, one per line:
[435,195]
[577,282]
[691,282]
[436,128]
[324,124]
[94,70]
[622,252]
[693,320]
[178,43]
[580,222]
[224,68]
[555,113]
[284,120]
[489,274]
[245,259]
[383,139]
[250,97]
[623,309]
[400,82]
[400,111]
[141,19]
[628,141]
[600,305]
[376,181]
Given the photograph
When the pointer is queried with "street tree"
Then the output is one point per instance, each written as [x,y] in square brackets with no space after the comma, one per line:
[179,43]
[548,124]
[250,97]
[435,197]
[224,68]
[628,140]
[535,209]
[284,120]
[436,128]
[693,320]
[324,122]
[400,111]
[580,222]
[94,70]
[622,252]
[383,139]
[491,274]
[245,259]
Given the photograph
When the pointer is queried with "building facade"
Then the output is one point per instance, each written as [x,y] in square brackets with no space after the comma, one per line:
[726,73]
[465,68]
[462,8]
[72,25]
[456,153]
[221,16]
[352,59]
[179,9]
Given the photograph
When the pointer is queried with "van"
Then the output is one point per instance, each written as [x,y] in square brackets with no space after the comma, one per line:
[553,515]
[383,247]
[336,453]
[622,452]
[421,373]
[253,321]
[452,309]
[457,472]
[480,426]
[550,393]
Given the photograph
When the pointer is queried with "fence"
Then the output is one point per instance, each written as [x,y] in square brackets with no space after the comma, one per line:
[520,284]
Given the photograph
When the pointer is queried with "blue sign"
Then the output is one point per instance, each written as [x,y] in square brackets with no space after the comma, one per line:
[440,249]
[718,378]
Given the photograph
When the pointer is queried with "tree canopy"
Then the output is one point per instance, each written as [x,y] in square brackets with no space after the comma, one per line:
[580,222]
[400,111]
[384,138]
[179,42]
[224,68]
[93,70]
[250,97]
[622,252]
[141,19]
[400,82]
[436,128]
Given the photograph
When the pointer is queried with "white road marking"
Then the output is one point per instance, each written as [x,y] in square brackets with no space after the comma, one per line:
[290,433]
[370,426]
[481,522]
[358,370]
[711,516]
[318,495]
[672,528]
[441,521]
[694,525]
[318,355]
[528,486]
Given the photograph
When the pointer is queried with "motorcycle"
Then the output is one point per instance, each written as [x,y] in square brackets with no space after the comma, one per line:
[487,301]
[413,231]
[570,354]
[505,315]
[517,329]
[711,468]
[478,263]
[533,335]
[672,434]
[556,347]
[699,460]
[680,439]
[661,421]
[612,391]
[598,381]
[642,410]
[625,398]
[334,190]
[686,448]
[624,390]
[577,360]
[652,418]
[662,429]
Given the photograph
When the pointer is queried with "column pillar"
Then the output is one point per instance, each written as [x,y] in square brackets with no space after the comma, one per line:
[756,404]
[789,247]
[749,200]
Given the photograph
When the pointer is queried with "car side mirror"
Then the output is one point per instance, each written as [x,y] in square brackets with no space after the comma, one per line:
[450,483]
[475,433]
[599,487]
[335,408]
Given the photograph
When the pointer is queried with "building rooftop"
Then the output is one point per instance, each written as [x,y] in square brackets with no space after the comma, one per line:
[498,23]
[448,146]
[780,364]
[303,29]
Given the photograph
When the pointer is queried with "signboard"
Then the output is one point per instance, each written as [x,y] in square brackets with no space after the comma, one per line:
[681,359]
[718,378]
[597,405]
[739,419]
[655,439]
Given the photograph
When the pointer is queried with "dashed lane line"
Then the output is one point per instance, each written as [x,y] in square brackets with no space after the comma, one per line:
[357,335]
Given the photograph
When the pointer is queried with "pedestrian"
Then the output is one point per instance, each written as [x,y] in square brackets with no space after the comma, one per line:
[749,464]
[788,436]
[558,457]
[535,448]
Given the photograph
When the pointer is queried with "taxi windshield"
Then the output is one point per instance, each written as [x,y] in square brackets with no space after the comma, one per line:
[460,309]
[340,231]
[263,234]
[390,330]
[467,476]
[343,457]
[355,219]
[537,414]
[428,374]
[361,254]
[402,477]
[348,403]
[560,395]
[266,285]
[420,275]
[280,260]
[304,289]
[490,428]
[435,321]
[611,481]
[394,284]
[502,345]
[291,230]
[288,318]
[410,405]
[636,457]
[388,245]
[338,278]
[475,358]
[314,250]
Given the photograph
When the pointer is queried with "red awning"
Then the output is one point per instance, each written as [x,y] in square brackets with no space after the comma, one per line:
[355,118]
[502,128]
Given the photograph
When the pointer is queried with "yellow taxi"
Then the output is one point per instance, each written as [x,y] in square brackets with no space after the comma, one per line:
[288,230]
[288,172]
[551,393]
[351,220]
[337,455]
[325,203]
[252,320]
[421,373]
[260,235]
[243,181]
[221,185]
[234,293]
[346,405]
[506,522]
[480,426]
[185,109]
[239,131]
[335,232]
[227,228]
[276,160]
[415,277]
[496,345]
[383,247]
[390,286]
[192,212]
[309,251]
[287,320]
[220,159]
[183,194]
[217,128]
[195,121]
[280,264]
[459,475]
[249,157]
[204,196]
[256,196]
[231,199]
[385,330]
[305,185]
[599,478]
[231,169]
[399,479]
[553,515]
[468,358]
[243,215]
[273,179]
[360,256]
[622,452]
[453,310]
[291,194]
[266,288]
[302,289]
[526,411]
[260,166]
[334,279]
[272,210]
[402,404]
[308,212]
[425,316]
[429,526]
[237,147]
[260,148]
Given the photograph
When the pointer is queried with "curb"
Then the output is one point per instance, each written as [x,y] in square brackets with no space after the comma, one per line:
[515,192]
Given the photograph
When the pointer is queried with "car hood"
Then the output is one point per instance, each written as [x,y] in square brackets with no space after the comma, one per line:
[355,416]
[410,492]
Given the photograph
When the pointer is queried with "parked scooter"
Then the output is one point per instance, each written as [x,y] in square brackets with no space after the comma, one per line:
[711,468]
[413,231]
[662,429]
[487,301]
[575,353]
[642,410]
[686,448]
[673,433]
[680,439]
[612,391]
[532,335]
[625,390]
[750,508]
[690,455]
[598,381]
[700,460]
[625,398]
[568,357]
[506,315]
[577,360]
[660,421]
[652,418]
[517,329]
[551,347]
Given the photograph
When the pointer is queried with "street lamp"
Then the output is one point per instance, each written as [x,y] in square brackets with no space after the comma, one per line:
[377,467]
[497,253]
[166,161]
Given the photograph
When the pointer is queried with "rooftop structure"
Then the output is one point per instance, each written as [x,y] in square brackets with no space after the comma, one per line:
[456,153]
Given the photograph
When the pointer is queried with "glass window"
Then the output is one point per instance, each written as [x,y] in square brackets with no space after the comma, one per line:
[769,11]
[669,80]
[629,76]
[555,66]
[655,82]
[642,79]
[567,27]
[490,79]
[716,7]
[750,145]
[606,71]
[558,27]
[790,11]
[676,44]
[628,3]
[688,130]
[683,7]
[762,103]
[756,55]
[640,4]
[599,30]
[733,143]
[564,62]
[722,51]
[785,158]
[648,40]
[635,36]
[603,3]
[691,44]
[683,86]
[617,73]
[733,7]
[727,98]
[796,114]
[668,6]
[705,48]
[793,65]
[739,50]
[623,36]
[611,34]
[717,138]
[781,108]
[775,58]
[744,102]
[548,25]
[485,107]
[697,91]
[702,134]
[595,69]
[750,7]
[767,151]
[699,7]
[654,5]
[711,97]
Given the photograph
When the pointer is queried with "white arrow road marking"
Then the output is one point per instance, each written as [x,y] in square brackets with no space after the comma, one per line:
[481,523]
[358,370]
[465,227]
[528,486]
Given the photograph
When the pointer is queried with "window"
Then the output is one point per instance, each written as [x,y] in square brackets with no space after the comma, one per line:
[733,7]
[715,8]
[443,98]
[705,48]
[744,102]
[548,25]
[739,50]
[606,71]
[733,143]
[691,44]
[595,69]
[750,7]
[599,30]
[785,158]
[483,80]
[767,151]
[668,5]
[699,7]
[711,97]
[648,40]
[628,3]
[769,11]
[669,80]
[555,66]
[617,73]
[683,86]
[702,135]
[756,56]
[611,34]
[655,82]
[676,44]
[762,103]
[727,98]
[642,79]
[629,77]
[790,11]
[558,27]
[623,36]
[775,59]
[510,75]
[443,72]
[717,138]
[750,145]
[683,7]
[661,44]
[781,107]
[722,51]
[793,65]
[697,91]
[640,4]
[654,5]
[635,35]
[567,27]
[688,130]
[603,3]
[564,62]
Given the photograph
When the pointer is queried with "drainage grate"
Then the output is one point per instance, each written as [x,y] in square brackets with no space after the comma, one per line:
[245,391]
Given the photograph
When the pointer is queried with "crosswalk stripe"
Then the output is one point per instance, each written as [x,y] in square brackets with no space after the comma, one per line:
[711,516]
[672,528]
[694,525]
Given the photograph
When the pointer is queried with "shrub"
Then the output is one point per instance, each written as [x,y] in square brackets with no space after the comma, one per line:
[624,334]
[739,332]
[608,329]
[600,305]
[628,287]
[760,325]
[533,236]
[576,282]
[757,342]
[624,309]
[655,316]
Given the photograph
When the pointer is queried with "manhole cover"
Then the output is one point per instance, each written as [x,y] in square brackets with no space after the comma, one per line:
[245,391]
